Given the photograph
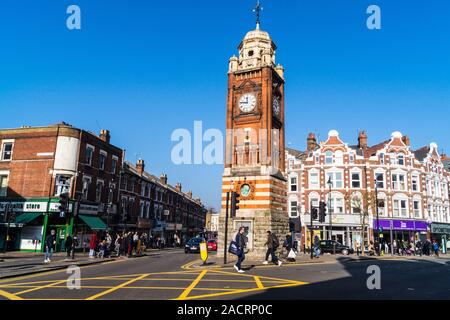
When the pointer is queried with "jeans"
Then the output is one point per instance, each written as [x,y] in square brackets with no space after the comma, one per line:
[271,252]
[316,251]
[241,258]
[48,253]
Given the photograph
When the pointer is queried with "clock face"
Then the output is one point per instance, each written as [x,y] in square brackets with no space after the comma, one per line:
[276,106]
[245,190]
[247,103]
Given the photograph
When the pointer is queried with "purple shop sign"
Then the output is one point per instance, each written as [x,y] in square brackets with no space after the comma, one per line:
[401,225]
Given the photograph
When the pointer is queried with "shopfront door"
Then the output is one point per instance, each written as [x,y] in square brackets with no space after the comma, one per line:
[339,236]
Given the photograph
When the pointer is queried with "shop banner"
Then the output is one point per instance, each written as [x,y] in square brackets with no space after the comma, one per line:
[24,206]
[407,225]
[440,228]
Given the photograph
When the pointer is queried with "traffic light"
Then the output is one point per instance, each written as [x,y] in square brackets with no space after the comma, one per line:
[63,204]
[322,211]
[314,213]
[234,203]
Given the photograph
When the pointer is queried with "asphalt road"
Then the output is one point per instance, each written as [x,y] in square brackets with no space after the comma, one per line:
[167,275]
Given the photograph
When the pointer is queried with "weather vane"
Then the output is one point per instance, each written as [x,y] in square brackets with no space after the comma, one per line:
[258,10]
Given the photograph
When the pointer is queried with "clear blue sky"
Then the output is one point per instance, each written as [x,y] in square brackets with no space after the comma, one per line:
[144,68]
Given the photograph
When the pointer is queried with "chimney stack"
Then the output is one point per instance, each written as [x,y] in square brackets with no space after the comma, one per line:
[163,178]
[105,135]
[311,142]
[178,187]
[406,140]
[189,194]
[140,166]
[362,140]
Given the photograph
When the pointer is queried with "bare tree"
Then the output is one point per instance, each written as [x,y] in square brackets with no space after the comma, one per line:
[364,202]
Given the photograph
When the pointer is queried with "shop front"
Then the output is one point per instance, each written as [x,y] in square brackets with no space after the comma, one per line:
[32,220]
[441,233]
[346,229]
[171,230]
[400,230]
[87,223]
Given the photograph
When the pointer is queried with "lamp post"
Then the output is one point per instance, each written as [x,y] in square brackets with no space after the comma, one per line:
[378,217]
[8,221]
[330,185]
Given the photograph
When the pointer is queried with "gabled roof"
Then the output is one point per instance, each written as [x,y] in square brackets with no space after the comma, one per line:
[301,155]
[421,153]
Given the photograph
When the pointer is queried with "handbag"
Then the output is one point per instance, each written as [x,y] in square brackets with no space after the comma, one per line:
[233,248]
[292,254]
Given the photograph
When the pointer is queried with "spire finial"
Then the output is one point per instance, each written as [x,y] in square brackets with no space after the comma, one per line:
[258,10]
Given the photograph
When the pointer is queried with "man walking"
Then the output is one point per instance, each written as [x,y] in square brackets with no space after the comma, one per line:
[69,246]
[317,247]
[240,243]
[272,244]
[50,244]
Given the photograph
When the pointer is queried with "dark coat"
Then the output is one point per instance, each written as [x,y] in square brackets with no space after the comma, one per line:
[240,241]
[50,241]
[69,242]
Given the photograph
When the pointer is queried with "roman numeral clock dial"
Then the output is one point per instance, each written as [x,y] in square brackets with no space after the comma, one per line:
[247,103]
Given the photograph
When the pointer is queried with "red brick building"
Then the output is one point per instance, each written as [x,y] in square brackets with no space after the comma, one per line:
[151,205]
[410,187]
[38,164]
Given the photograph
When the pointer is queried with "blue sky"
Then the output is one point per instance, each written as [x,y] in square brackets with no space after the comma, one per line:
[144,68]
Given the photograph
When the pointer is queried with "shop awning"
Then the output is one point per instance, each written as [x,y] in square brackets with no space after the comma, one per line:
[27,217]
[95,223]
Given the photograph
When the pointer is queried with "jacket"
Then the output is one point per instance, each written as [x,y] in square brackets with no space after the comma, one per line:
[50,241]
[240,241]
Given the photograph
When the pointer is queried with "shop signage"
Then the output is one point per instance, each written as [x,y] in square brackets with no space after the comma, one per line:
[144,223]
[88,209]
[441,228]
[24,206]
[172,226]
[407,225]
[54,207]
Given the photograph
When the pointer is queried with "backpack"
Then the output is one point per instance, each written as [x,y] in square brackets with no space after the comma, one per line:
[275,241]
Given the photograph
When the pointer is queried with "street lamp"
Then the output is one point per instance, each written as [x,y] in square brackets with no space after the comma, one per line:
[330,185]
[376,209]
[8,217]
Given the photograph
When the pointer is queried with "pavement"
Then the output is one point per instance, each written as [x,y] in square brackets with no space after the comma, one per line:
[13,264]
[174,275]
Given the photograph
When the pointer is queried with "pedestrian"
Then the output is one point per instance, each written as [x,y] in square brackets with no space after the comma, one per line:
[272,244]
[50,244]
[108,239]
[93,245]
[371,249]
[386,248]
[69,245]
[130,244]
[436,248]
[240,243]
[117,244]
[395,246]
[135,242]
[316,247]
[419,247]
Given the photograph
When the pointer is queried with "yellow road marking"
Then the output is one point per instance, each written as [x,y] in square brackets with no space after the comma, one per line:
[41,287]
[40,274]
[263,277]
[259,283]
[9,296]
[117,287]
[186,292]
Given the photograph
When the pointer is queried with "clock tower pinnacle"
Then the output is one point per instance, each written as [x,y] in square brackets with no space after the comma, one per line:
[255,143]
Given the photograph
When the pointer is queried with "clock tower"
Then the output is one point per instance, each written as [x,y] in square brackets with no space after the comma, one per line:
[255,146]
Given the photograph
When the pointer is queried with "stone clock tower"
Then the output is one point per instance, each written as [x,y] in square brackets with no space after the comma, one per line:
[255,147]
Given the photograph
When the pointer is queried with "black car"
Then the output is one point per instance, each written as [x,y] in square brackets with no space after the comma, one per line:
[193,245]
[331,246]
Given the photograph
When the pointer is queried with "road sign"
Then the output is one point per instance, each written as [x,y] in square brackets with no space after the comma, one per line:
[203,251]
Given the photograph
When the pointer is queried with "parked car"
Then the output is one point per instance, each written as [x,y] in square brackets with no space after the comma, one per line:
[193,245]
[330,246]
[212,245]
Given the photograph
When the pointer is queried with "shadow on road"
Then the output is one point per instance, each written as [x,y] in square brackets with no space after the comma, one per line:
[347,279]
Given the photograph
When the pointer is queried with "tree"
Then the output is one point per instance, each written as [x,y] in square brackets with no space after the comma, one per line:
[364,203]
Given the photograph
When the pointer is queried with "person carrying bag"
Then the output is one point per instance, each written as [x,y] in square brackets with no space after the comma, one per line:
[237,248]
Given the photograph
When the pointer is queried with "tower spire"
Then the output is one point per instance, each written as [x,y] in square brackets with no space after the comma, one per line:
[258,10]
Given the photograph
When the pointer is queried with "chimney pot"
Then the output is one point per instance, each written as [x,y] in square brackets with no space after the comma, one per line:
[362,140]
[163,178]
[140,166]
[105,135]
[311,142]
